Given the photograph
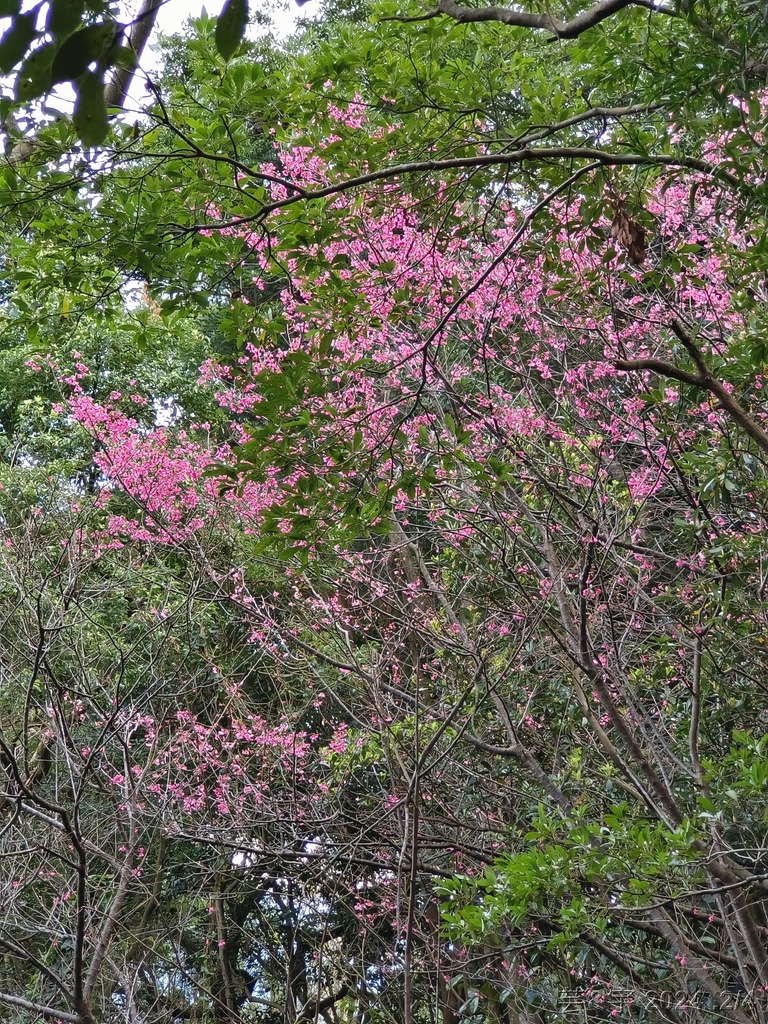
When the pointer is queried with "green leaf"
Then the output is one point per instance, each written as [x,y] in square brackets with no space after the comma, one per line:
[82,49]
[16,41]
[121,57]
[9,8]
[230,27]
[90,117]
[64,16]
[34,78]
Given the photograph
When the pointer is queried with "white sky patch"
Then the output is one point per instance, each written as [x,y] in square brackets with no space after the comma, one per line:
[173,16]
[174,13]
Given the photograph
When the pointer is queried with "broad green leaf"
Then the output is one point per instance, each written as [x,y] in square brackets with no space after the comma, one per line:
[90,117]
[9,8]
[64,17]
[230,27]
[121,57]
[34,78]
[16,41]
[82,49]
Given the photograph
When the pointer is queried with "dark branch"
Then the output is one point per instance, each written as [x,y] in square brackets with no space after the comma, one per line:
[526,154]
[141,29]
[704,379]
[317,1006]
[41,1008]
[541,22]
[660,366]
[754,68]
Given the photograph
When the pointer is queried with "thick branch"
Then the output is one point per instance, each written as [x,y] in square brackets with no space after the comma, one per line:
[558,29]
[526,154]
[45,1011]
[662,367]
[693,727]
[312,1010]
[141,29]
[703,379]
[110,924]
[543,22]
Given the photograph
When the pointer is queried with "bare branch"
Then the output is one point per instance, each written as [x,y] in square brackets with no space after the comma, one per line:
[19,951]
[110,924]
[688,964]
[704,379]
[660,366]
[540,22]
[41,1008]
[693,727]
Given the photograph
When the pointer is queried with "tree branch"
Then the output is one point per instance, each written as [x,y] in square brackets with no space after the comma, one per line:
[41,1008]
[693,725]
[704,379]
[29,957]
[660,366]
[525,154]
[311,1011]
[102,945]
[116,91]
[687,963]
[540,22]
[462,15]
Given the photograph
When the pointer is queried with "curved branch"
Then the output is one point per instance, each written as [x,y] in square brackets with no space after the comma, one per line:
[526,154]
[311,1011]
[571,29]
[660,366]
[704,379]
[541,22]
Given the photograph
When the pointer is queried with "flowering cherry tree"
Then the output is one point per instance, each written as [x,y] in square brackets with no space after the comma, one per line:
[429,684]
